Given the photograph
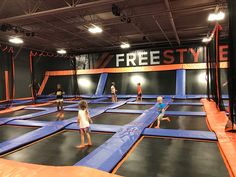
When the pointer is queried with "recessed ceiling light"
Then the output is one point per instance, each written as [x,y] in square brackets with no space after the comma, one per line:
[16,40]
[61,51]
[125,45]
[95,29]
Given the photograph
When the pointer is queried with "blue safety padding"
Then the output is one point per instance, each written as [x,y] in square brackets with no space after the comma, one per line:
[141,103]
[191,134]
[29,123]
[32,136]
[106,156]
[125,111]
[32,115]
[97,127]
[98,100]
[186,104]
[36,108]
[184,113]
[180,82]
[101,84]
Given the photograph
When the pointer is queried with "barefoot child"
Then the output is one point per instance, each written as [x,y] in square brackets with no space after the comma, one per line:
[161,111]
[84,121]
[139,94]
[113,92]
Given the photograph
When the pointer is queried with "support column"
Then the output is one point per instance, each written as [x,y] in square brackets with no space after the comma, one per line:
[101,84]
[180,82]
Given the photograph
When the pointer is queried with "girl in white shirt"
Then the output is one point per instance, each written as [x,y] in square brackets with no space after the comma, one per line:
[113,92]
[84,121]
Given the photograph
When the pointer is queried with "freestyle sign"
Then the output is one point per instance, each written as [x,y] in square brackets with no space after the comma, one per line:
[170,56]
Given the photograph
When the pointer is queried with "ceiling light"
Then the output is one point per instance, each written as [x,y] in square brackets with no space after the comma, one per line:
[206,39]
[61,51]
[125,45]
[95,29]
[220,16]
[216,16]
[16,40]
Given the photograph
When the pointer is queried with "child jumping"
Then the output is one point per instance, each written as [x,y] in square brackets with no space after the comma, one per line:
[84,121]
[161,111]
[59,100]
[113,92]
[139,94]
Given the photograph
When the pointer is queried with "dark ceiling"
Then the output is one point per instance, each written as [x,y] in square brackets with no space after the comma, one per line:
[65,23]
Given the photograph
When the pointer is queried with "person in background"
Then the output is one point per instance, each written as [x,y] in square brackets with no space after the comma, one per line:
[161,110]
[59,100]
[84,121]
[139,92]
[113,92]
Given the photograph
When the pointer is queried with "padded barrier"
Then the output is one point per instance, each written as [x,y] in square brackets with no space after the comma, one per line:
[97,127]
[227,140]
[184,113]
[189,134]
[12,169]
[101,84]
[106,156]
[29,123]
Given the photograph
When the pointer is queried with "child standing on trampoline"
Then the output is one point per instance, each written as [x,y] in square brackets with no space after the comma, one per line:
[84,121]
[139,94]
[113,92]
[59,100]
[161,111]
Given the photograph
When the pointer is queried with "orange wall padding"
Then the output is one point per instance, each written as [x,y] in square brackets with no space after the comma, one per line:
[12,169]
[133,69]
[227,140]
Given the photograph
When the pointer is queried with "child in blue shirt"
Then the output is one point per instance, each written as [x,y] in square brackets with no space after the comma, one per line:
[161,111]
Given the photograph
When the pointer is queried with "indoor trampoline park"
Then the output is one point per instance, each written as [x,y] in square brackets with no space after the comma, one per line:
[127,88]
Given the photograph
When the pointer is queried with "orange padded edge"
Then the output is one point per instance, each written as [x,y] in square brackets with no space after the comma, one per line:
[227,140]
[12,169]
[12,109]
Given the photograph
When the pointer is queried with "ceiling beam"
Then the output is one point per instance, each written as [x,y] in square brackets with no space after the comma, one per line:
[172,21]
[162,31]
[59,10]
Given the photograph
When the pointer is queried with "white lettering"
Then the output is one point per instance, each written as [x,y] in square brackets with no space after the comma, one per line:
[155,59]
[119,58]
[142,56]
[130,58]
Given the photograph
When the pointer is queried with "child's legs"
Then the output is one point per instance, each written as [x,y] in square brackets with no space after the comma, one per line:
[61,104]
[112,97]
[82,137]
[58,105]
[89,138]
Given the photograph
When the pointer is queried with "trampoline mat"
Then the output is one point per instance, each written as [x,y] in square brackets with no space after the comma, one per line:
[55,105]
[155,157]
[17,113]
[185,123]
[53,116]
[114,118]
[8,132]
[187,100]
[185,108]
[58,150]
[135,107]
